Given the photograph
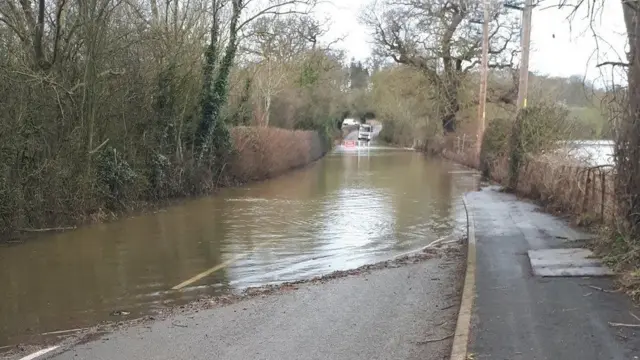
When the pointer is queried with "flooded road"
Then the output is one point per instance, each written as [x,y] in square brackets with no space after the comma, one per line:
[348,209]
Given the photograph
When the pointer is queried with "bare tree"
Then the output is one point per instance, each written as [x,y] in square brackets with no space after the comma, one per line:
[219,59]
[401,96]
[627,97]
[29,23]
[273,44]
[109,102]
[282,37]
[269,81]
[442,38]
[627,150]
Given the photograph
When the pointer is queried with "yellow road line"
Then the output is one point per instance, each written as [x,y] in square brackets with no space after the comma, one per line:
[209,272]
[460,345]
[216,268]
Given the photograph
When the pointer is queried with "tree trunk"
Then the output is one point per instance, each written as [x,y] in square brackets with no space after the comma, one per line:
[450,84]
[40,60]
[154,12]
[627,151]
[267,110]
[215,89]
[88,105]
[207,100]
[452,106]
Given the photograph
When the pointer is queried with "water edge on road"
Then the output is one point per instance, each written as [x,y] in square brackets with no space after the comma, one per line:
[352,208]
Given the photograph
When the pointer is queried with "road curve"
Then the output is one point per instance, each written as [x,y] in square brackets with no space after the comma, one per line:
[398,312]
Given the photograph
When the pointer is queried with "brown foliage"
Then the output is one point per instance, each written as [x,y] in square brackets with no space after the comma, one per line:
[583,192]
[556,179]
[102,112]
[263,153]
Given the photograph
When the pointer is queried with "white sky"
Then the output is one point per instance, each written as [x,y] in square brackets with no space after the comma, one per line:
[571,52]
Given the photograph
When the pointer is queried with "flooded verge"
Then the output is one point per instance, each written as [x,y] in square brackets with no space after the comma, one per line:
[352,208]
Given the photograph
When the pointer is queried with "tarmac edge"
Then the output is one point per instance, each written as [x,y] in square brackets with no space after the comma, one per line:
[463,326]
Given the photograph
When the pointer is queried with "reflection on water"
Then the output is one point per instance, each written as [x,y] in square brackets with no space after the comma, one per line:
[592,152]
[349,209]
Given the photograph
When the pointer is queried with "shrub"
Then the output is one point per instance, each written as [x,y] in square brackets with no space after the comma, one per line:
[539,129]
[266,152]
[116,178]
[495,144]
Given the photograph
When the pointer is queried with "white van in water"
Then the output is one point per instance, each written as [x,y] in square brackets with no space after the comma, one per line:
[349,122]
[364,132]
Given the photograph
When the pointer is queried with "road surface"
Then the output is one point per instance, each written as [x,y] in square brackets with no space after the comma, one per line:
[520,316]
[398,312]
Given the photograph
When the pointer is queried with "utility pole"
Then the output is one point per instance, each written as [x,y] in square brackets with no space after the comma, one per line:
[524,62]
[484,69]
[525,41]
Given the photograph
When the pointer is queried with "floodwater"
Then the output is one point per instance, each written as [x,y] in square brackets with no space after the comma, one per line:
[592,152]
[348,209]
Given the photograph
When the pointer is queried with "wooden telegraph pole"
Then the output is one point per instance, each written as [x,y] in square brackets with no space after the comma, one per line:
[524,62]
[525,41]
[484,69]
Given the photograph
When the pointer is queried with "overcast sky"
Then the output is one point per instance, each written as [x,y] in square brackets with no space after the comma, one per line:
[571,52]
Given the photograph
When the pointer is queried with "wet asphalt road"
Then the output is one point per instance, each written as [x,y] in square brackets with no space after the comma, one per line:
[384,314]
[520,316]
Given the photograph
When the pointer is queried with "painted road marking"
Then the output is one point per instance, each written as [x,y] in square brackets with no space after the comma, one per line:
[240,256]
[464,172]
[39,353]
[58,332]
[419,250]
[209,272]
[460,346]
[217,267]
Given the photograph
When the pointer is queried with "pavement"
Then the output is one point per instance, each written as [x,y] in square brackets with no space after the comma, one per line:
[398,312]
[521,316]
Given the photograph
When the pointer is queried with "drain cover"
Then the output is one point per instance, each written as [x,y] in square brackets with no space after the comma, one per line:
[566,262]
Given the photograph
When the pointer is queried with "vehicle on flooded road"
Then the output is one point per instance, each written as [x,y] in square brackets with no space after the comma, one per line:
[365,132]
[349,122]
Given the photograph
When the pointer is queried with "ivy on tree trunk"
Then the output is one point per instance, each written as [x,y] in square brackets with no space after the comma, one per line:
[215,86]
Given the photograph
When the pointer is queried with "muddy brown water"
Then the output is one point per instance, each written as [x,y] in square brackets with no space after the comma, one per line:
[351,208]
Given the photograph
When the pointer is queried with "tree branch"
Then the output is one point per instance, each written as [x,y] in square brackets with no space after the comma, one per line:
[613,63]
[13,27]
[58,24]
[272,10]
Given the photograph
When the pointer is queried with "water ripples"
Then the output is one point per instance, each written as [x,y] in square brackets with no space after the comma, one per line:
[347,210]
